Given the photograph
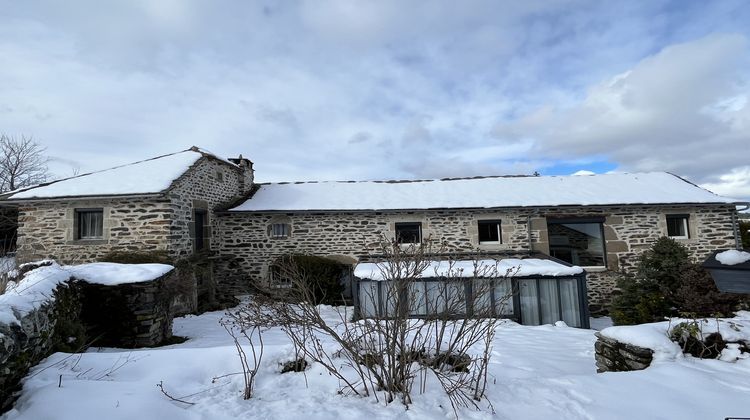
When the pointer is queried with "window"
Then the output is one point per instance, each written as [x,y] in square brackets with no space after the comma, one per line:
[409,232]
[89,223]
[577,241]
[200,217]
[677,226]
[545,301]
[280,230]
[490,232]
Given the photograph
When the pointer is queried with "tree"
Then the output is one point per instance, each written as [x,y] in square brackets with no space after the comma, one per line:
[668,284]
[22,163]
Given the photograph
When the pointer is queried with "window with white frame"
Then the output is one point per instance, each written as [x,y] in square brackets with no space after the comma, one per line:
[89,223]
[408,232]
[678,226]
[280,230]
[490,232]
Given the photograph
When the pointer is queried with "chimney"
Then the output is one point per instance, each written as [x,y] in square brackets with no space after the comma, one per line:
[247,175]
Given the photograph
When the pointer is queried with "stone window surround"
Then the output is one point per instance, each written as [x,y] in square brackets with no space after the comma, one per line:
[426,231]
[70,223]
[692,225]
[506,230]
[602,225]
[279,220]
[200,206]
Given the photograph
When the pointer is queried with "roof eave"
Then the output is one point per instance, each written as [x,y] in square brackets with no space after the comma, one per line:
[230,211]
[81,197]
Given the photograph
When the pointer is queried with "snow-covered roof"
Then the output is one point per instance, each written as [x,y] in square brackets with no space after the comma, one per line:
[511,267]
[149,176]
[480,192]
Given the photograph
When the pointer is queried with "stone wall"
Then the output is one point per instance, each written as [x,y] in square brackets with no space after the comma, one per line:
[46,229]
[25,344]
[614,356]
[210,184]
[247,248]
[153,223]
[128,315]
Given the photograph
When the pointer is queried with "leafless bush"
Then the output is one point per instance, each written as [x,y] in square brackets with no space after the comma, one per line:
[387,353]
[247,324]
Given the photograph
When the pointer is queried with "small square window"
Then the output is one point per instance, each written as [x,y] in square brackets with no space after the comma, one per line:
[280,230]
[490,232]
[89,223]
[409,232]
[677,226]
[219,176]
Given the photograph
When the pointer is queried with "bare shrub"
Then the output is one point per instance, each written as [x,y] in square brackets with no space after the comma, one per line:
[247,324]
[386,354]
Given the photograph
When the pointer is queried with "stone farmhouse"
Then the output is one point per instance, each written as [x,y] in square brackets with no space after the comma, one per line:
[195,202]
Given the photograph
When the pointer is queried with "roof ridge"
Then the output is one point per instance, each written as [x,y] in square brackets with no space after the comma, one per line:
[463,178]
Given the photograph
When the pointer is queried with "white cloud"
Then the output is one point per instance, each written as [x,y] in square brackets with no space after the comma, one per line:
[683,109]
[735,183]
[389,89]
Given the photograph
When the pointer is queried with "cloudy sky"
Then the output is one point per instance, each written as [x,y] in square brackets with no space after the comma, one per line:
[386,89]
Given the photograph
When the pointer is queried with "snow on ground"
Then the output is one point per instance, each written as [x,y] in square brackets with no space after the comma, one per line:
[537,372]
[655,336]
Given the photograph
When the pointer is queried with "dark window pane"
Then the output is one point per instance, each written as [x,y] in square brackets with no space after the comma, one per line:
[489,230]
[200,229]
[577,243]
[280,230]
[409,233]
[90,224]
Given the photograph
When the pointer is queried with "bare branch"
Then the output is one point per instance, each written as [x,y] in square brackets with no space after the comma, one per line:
[23,163]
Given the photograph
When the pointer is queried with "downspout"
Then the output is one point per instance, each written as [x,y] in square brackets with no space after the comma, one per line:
[736,226]
[528,232]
